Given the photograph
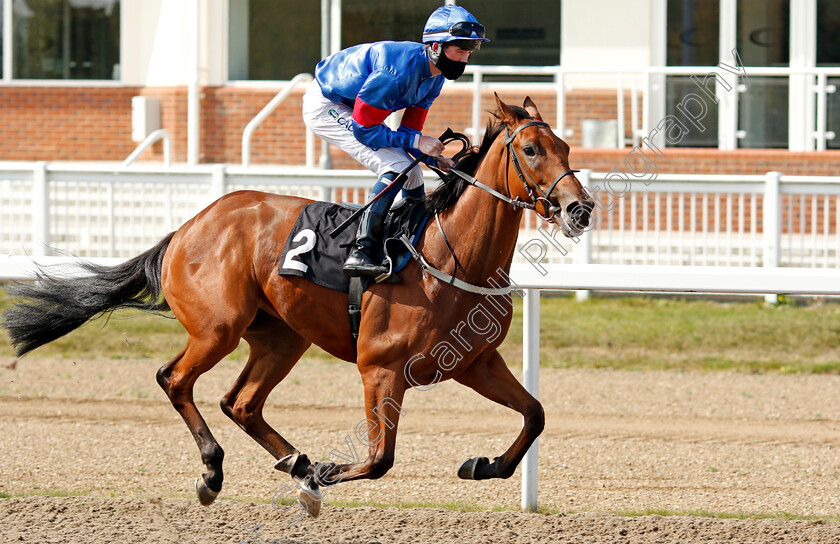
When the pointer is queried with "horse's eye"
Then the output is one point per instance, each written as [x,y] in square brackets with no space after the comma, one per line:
[529,151]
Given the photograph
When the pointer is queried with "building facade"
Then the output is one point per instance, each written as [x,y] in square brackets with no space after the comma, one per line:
[608,74]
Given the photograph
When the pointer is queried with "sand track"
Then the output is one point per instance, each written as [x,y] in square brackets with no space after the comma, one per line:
[101,432]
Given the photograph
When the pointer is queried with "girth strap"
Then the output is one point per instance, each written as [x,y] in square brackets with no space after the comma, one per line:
[355,306]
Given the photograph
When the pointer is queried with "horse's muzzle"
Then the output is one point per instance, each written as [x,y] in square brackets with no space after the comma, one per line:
[574,219]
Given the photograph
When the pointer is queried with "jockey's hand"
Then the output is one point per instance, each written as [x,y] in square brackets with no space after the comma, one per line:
[430,146]
[445,163]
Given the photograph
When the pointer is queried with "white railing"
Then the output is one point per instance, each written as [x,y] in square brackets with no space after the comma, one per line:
[647,84]
[158,134]
[300,79]
[112,211]
[671,279]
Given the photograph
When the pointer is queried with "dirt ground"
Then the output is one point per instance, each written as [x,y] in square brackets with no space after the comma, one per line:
[91,451]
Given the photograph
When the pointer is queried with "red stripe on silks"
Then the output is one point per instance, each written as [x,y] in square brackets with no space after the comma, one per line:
[414,118]
[367,115]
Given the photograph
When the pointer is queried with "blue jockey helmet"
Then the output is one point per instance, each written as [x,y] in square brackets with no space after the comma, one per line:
[451,23]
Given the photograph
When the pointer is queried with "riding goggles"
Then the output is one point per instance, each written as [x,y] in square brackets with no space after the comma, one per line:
[467,30]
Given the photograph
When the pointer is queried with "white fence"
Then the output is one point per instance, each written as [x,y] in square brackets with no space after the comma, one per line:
[759,220]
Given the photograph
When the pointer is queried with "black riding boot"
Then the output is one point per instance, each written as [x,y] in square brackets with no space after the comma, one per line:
[364,260]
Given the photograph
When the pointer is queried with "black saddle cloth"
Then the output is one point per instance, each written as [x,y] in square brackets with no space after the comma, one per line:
[310,252]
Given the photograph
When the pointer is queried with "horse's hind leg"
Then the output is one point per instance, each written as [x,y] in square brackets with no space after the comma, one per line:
[491,378]
[177,378]
[275,349]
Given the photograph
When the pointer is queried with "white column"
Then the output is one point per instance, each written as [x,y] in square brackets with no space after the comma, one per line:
[654,98]
[531,379]
[335,26]
[728,105]
[803,54]
[193,98]
[7,40]
[325,161]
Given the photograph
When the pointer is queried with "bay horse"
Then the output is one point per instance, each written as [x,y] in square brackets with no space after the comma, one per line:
[218,275]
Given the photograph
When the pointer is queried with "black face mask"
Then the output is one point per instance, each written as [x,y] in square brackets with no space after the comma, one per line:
[451,69]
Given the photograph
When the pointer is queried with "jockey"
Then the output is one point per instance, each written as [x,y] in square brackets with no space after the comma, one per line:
[357,88]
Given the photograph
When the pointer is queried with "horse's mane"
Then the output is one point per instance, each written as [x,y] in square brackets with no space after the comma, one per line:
[452,186]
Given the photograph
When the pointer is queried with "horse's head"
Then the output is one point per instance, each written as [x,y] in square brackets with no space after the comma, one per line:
[541,172]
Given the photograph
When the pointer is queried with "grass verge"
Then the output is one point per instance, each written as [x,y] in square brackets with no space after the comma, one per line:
[631,333]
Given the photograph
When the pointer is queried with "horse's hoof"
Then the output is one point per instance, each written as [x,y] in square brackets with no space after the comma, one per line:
[470,469]
[310,497]
[206,496]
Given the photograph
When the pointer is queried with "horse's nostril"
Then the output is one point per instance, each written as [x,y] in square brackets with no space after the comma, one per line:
[579,214]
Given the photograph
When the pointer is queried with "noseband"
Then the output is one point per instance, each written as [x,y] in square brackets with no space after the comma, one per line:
[534,192]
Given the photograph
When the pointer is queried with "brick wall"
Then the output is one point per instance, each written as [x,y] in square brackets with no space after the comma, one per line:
[66,123]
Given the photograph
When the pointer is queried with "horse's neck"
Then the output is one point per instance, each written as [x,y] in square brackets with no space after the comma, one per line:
[481,228]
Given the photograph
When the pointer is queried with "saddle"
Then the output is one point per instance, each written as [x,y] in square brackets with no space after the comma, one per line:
[311,253]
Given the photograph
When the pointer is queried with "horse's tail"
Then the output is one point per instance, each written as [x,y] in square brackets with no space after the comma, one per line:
[52,306]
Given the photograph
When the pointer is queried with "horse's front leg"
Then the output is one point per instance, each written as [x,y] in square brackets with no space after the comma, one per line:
[490,377]
[384,392]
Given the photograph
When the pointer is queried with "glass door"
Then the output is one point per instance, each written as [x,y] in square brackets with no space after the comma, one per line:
[763,39]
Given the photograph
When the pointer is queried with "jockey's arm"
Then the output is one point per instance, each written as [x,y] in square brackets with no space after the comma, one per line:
[371,108]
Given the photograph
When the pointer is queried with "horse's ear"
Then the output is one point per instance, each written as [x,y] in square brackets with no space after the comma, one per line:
[531,108]
[506,115]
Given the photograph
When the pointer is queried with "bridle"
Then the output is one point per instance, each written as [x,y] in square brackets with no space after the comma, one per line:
[534,192]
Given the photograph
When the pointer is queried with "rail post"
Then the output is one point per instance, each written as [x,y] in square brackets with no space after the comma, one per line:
[531,379]
[583,249]
[218,184]
[772,225]
[40,209]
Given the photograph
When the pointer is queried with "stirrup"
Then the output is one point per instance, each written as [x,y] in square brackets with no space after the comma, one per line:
[360,264]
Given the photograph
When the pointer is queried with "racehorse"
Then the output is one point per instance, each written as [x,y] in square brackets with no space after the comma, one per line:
[218,275]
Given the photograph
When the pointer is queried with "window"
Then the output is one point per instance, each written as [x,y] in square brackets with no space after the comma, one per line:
[364,21]
[273,39]
[693,40]
[763,39]
[267,43]
[66,39]
[519,35]
[828,54]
